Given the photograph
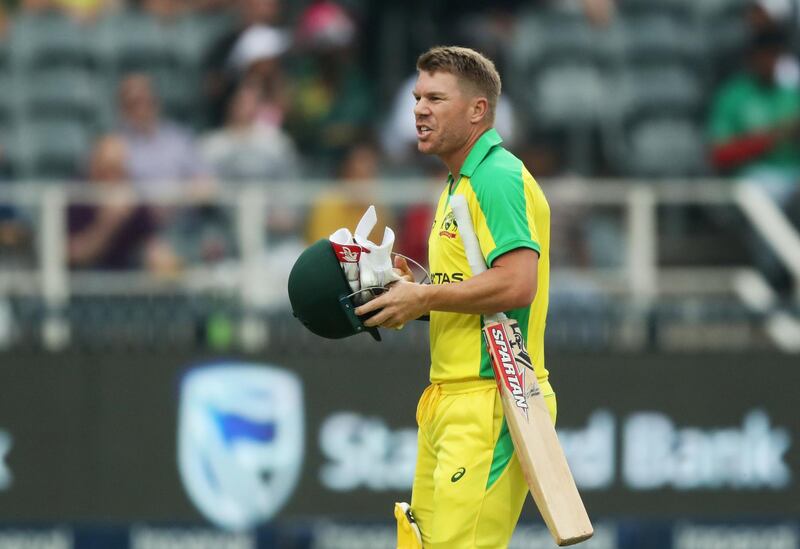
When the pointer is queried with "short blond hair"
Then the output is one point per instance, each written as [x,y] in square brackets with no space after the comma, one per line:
[467,65]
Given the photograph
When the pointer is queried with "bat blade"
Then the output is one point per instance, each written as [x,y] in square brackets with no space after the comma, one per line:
[540,455]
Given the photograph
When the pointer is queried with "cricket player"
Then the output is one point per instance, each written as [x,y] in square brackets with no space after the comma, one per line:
[468,487]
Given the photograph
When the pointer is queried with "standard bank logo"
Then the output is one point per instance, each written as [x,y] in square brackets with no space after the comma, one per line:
[240,441]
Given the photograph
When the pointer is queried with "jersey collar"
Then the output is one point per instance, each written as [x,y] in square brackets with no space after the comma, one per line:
[479,150]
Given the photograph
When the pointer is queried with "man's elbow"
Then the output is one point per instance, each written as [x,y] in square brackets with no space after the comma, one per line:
[522,295]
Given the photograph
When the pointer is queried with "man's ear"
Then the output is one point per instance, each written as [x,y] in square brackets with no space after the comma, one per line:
[479,110]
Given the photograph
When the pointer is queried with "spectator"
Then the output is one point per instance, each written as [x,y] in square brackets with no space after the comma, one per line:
[164,10]
[16,242]
[4,23]
[220,81]
[332,100]
[600,13]
[31,7]
[112,235]
[763,15]
[16,251]
[255,59]
[159,152]
[755,132]
[87,11]
[754,121]
[162,153]
[344,205]
[82,11]
[247,150]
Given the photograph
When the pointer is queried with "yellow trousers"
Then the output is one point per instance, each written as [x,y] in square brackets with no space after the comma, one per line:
[468,486]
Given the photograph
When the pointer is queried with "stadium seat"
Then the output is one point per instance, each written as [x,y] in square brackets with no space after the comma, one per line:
[195,34]
[663,146]
[567,95]
[554,36]
[9,99]
[7,145]
[654,89]
[727,33]
[5,54]
[42,41]
[51,149]
[711,9]
[133,41]
[61,93]
[679,9]
[661,38]
[178,92]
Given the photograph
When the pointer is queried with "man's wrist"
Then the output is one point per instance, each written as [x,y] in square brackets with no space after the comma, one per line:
[428,297]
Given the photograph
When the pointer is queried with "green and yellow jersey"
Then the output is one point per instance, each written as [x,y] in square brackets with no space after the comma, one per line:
[509,211]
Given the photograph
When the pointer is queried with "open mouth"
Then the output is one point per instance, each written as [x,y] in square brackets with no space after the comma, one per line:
[423,131]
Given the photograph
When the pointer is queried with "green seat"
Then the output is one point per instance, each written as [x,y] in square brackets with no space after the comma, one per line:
[10,99]
[654,38]
[567,95]
[42,41]
[657,88]
[665,146]
[51,149]
[134,41]
[195,34]
[62,93]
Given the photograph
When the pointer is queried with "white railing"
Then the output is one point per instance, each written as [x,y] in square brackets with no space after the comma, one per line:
[639,281]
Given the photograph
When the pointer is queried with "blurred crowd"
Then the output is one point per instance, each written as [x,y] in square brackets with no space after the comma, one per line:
[195,94]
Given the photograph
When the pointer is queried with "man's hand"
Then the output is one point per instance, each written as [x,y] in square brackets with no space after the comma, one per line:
[403,301]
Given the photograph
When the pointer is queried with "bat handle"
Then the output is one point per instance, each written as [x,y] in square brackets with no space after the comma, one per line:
[472,248]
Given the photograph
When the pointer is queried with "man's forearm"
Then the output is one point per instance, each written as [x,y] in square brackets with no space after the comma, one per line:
[509,284]
[488,293]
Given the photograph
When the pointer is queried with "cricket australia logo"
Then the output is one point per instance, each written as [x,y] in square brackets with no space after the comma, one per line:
[512,377]
[449,226]
[240,441]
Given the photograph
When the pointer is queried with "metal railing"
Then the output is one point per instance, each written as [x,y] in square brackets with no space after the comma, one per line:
[639,282]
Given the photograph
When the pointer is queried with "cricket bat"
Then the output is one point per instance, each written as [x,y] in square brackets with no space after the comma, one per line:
[535,441]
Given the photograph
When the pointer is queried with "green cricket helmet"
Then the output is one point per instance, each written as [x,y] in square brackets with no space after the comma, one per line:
[319,294]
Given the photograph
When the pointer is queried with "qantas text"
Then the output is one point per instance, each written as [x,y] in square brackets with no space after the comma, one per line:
[446,278]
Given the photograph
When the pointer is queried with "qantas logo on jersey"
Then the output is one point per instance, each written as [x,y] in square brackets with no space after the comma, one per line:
[446,278]
[505,367]
[449,226]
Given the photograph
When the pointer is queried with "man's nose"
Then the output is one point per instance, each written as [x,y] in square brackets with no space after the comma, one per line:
[421,108]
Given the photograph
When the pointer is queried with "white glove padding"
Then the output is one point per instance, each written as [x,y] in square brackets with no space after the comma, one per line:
[366,224]
[365,264]
[375,265]
[348,253]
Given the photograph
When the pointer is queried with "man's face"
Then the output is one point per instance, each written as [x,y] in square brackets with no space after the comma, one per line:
[763,62]
[441,113]
[138,103]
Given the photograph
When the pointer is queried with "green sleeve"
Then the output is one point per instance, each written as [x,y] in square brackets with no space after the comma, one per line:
[500,190]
